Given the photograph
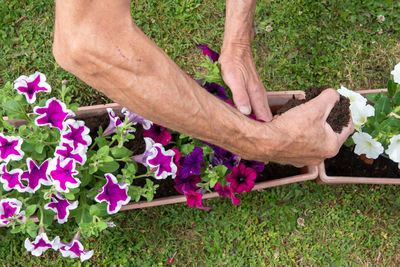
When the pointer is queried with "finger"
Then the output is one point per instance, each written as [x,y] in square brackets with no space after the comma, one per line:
[266,103]
[325,102]
[257,99]
[346,132]
[239,92]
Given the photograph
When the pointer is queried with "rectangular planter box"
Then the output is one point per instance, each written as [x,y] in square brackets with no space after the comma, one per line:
[324,178]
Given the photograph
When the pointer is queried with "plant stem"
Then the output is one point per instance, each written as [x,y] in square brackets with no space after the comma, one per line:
[41,215]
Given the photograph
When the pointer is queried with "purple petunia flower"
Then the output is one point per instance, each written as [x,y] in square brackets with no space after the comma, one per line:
[135,118]
[114,193]
[62,173]
[41,244]
[227,191]
[10,148]
[191,164]
[195,199]
[66,151]
[142,158]
[53,114]
[75,249]
[115,122]
[242,178]
[77,133]
[30,86]
[162,162]
[36,175]
[214,56]
[216,89]
[256,165]
[159,134]
[61,207]
[185,185]
[177,158]
[12,179]
[10,209]
[221,156]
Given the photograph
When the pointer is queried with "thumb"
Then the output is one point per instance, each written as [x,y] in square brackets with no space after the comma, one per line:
[239,92]
[325,102]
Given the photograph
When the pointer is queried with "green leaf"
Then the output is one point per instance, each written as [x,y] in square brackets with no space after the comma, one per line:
[392,87]
[70,196]
[220,170]
[121,152]
[99,209]
[16,230]
[48,216]
[186,149]
[109,166]
[92,168]
[396,99]
[101,225]
[83,215]
[103,152]
[13,110]
[39,148]
[30,210]
[101,141]
[32,228]
[382,108]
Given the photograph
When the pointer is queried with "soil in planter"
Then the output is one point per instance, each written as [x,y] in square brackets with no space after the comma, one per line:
[339,116]
[346,163]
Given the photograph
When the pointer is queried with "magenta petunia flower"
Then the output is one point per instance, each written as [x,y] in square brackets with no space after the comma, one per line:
[227,191]
[115,122]
[75,249]
[214,56]
[30,86]
[256,165]
[159,134]
[77,133]
[195,199]
[191,164]
[65,151]
[61,207]
[242,178]
[216,89]
[114,193]
[62,173]
[10,148]
[12,179]
[177,158]
[162,162]
[135,118]
[53,114]
[36,175]
[142,158]
[41,244]
[185,185]
[10,209]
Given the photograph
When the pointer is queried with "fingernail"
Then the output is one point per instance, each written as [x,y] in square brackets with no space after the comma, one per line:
[245,110]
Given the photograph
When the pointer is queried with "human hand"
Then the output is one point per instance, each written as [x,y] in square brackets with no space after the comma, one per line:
[306,136]
[240,74]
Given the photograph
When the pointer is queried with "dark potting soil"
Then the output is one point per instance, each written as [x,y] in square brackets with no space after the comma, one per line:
[346,163]
[339,116]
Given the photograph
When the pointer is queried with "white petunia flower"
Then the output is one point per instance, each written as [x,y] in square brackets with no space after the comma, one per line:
[359,113]
[393,150]
[351,95]
[396,73]
[365,144]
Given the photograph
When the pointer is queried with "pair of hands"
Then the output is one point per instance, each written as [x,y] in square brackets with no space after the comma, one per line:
[311,139]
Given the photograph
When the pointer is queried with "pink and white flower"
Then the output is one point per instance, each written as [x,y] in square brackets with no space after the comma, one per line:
[135,118]
[115,122]
[12,179]
[75,249]
[114,193]
[41,244]
[31,85]
[65,151]
[53,114]
[10,148]
[10,209]
[162,162]
[142,158]
[62,173]
[36,175]
[61,207]
[76,133]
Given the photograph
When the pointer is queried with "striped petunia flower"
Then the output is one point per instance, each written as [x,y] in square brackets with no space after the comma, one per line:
[10,148]
[62,173]
[135,118]
[36,175]
[162,162]
[53,114]
[74,249]
[12,179]
[65,151]
[76,133]
[30,85]
[41,244]
[10,210]
[114,193]
[61,207]
[115,122]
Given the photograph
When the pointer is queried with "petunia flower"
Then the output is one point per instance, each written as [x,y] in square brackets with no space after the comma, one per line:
[162,162]
[75,249]
[77,133]
[256,165]
[365,144]
[216,89]
[12,179]
[65,150]
[396,73]
[359,114]
[220,156]
[135,118]
[62,173]
[351,95]
[10,148]
[177,158]
[61,207]
[53,114]
[30,86]
[36,175]
[10,209]
[242,178]
[393,150]
[115,122]
[158,133]
[212,55]
[195,199]
[191,164]
[41,244]
[185,185]
[142,158]
[114,193]
[227,191]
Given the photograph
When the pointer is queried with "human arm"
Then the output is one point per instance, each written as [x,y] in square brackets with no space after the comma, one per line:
[237,64]
[99,43]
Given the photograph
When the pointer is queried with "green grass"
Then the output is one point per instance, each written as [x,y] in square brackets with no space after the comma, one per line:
[312,43]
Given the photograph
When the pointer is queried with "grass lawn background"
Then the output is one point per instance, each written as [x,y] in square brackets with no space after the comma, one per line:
[312,43]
